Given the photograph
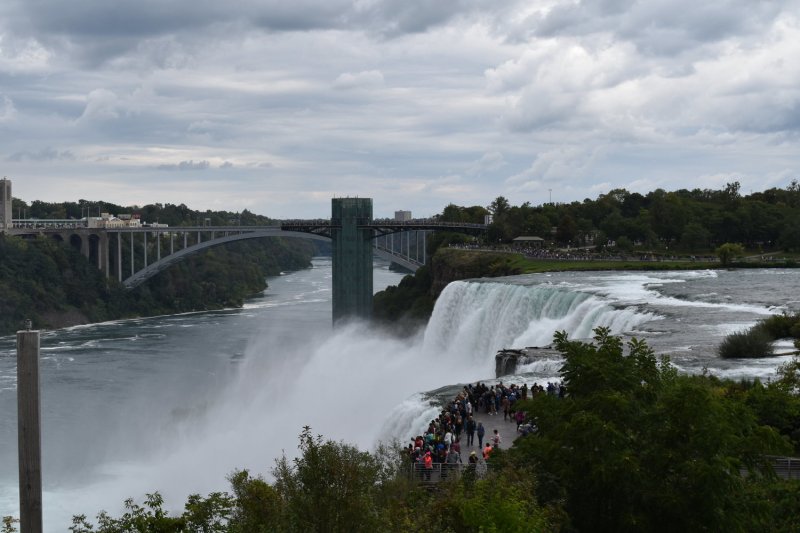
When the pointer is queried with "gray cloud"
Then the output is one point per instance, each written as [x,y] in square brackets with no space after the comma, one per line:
[186,165]
[659,26]
[45,154]
[417,104]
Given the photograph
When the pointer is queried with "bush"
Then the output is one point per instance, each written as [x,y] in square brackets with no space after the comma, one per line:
[755,342]
[781,326]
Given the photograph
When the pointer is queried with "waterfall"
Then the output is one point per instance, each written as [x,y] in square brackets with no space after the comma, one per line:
[474,319]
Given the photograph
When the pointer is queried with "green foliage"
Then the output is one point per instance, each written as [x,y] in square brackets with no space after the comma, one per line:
[258,507]
[781,326]
[695,237]
[206,515]
[754,342]
[696,220]
[329,487]
[408,304]
[8,524]
[54,285]
[334,487]
[783,500]
[757,341]
[729,252]
[636,447]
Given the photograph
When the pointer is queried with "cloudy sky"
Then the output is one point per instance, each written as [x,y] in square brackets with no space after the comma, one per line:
[278,106]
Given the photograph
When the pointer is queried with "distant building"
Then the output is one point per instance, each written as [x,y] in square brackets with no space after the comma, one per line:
[488,219]
[402,216]
[528,242]
[107,220]
[5,205]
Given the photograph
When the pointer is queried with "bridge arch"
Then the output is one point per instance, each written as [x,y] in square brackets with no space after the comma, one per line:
[154,268]
[76,241]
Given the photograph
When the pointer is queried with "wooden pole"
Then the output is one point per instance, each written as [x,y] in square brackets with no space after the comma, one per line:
[29,432]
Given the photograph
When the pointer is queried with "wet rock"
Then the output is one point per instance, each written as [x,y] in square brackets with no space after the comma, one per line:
[508,360]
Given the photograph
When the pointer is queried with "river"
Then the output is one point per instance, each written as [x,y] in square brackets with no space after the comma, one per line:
[176,403]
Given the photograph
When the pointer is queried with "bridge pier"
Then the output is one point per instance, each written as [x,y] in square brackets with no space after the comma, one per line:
[352,258]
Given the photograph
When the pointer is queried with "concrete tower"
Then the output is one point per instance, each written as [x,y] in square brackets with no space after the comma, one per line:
[352,258]
[5,205]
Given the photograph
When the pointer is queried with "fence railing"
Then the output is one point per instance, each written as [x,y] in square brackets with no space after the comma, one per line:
[786,467]
[444,471]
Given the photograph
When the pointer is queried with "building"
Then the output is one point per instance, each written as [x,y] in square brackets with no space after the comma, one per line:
[107,220]
[6,208]
[528,242]
[402,216]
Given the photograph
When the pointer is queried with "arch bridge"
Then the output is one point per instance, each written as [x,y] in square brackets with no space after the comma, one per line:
[354,235]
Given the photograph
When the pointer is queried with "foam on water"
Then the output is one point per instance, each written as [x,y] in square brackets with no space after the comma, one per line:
[350,384]
[477,319]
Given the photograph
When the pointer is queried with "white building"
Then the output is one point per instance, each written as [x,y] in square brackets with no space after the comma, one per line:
[107,220]
[402,216]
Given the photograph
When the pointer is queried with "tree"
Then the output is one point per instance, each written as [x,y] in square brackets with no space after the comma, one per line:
[695,237]
[728,252]
[790,236]
[499,206]
[567,229]
[329,487]
[636,447]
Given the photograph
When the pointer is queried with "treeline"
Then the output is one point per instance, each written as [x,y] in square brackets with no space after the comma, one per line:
[55,286]
[685,220]
[170,214]
[634,446]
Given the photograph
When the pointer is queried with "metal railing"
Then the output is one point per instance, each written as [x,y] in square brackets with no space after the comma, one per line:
[445,471]
[785,467]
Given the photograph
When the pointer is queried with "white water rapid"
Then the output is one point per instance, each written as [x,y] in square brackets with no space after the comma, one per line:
[176,403]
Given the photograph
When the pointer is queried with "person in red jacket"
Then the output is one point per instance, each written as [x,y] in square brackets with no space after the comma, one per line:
[427,461]
[487,451]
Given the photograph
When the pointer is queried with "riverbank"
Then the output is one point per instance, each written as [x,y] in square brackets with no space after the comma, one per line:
[55,286]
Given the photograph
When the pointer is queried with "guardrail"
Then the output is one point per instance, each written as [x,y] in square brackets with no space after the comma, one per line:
[786,467]
[446,471]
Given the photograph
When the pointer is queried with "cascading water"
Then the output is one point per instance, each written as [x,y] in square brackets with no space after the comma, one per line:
[473,320]
[176,403]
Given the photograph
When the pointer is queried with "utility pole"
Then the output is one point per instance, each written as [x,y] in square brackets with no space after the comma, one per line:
[29,431]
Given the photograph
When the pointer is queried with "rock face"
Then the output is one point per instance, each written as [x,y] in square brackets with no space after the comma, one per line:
[508,360]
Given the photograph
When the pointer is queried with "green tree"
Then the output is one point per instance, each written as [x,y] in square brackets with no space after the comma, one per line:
[567,229]
[729,252]
[636,447]
[695,237]
[330,487]
[499,206]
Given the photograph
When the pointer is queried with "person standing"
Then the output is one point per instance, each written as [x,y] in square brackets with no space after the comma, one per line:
[496,439]
[470,431]
[481,432]
[487,451]
[428,463]
[520,418]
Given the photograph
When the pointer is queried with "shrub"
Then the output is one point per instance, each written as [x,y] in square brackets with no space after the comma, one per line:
[754,342]
[781,326]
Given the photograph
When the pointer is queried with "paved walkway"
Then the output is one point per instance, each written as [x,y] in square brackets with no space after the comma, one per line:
[507,429]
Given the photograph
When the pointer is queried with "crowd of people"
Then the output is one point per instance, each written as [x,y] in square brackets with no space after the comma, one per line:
[452,433]
[579,254]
